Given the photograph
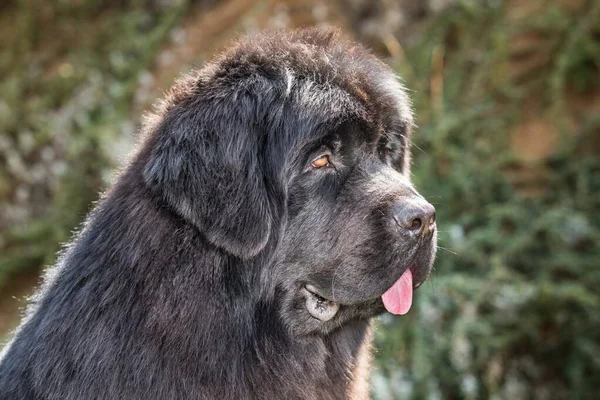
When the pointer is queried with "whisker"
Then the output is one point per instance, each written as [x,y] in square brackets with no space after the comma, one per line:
[448,250]
[422,151]
[333,282]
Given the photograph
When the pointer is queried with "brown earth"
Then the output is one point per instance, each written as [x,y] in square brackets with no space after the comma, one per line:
[15,291]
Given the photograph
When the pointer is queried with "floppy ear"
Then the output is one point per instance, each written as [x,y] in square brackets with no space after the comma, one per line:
[205,164]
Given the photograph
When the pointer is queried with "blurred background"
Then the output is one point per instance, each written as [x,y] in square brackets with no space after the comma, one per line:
[507,99]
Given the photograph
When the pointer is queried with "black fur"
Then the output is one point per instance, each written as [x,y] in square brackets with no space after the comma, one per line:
[185,282]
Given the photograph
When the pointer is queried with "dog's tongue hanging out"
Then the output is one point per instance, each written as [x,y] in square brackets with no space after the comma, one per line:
[398,298]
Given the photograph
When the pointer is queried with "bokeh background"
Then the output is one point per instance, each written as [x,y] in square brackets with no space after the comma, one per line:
[507,99]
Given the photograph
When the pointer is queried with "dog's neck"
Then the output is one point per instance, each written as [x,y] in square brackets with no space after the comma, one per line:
[313,364]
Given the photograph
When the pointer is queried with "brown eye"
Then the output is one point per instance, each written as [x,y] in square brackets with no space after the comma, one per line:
[322,161]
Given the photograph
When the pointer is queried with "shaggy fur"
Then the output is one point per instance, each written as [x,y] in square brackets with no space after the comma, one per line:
[186,281]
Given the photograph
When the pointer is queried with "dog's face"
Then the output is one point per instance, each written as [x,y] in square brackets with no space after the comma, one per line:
[294,151]
[355,226]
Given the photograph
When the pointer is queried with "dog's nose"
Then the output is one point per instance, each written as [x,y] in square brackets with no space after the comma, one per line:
[415,216]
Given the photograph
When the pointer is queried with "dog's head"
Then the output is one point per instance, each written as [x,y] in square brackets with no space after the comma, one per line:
[300,140]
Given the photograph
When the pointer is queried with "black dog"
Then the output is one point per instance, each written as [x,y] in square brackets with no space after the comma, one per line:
[266,218]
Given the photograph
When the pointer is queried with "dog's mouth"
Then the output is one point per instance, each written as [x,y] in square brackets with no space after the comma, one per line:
[397,299]
[318,306]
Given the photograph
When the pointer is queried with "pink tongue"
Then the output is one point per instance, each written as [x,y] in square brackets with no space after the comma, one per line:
[398,298]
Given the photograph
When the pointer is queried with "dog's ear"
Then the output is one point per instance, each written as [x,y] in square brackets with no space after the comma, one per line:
[205,163]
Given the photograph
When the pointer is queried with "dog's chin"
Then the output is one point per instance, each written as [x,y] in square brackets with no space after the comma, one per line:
[312,313]
[311,306]
[305,312]
[324,312]
[325,309]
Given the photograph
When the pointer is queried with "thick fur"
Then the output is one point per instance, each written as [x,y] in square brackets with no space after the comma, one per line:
[186,280]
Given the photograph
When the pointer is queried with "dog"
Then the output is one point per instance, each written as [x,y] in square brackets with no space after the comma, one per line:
[265,218]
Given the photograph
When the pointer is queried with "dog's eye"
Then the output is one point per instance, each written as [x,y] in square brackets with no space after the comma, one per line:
[321,161]
[384,152]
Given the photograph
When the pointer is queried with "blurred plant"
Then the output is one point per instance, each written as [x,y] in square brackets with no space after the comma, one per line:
[68,71]
[513,309]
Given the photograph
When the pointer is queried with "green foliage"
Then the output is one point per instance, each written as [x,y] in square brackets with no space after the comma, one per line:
[68,73]
[512,311]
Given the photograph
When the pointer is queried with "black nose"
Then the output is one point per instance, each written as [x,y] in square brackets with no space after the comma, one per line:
[415,216]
